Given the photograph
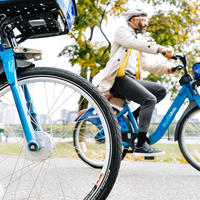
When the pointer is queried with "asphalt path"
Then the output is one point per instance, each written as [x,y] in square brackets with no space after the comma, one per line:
[136,180]
[156,181]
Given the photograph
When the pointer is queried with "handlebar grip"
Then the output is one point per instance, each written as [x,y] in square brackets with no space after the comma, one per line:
[174,57]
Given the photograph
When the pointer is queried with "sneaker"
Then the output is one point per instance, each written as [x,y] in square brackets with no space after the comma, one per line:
[147,151]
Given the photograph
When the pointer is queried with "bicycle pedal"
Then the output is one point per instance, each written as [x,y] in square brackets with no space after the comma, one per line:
[149,158]
[99,140]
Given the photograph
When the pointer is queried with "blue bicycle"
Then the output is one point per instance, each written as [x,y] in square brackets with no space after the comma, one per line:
[37,111]
[187,130]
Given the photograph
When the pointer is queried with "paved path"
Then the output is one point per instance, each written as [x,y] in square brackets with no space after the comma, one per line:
[136,180]
[156,181]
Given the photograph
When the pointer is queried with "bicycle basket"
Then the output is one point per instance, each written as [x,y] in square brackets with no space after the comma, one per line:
[196,70]
[40,18]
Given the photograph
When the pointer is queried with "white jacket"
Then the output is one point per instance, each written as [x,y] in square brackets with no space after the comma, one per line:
[125,38]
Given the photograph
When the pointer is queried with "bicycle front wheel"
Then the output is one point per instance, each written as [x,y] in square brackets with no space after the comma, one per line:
[189,138]
[54,172]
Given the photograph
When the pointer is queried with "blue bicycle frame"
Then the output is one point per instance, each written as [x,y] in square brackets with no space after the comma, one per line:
[8,58]
[185,92]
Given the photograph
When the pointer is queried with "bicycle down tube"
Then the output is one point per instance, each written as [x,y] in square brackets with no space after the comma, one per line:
[185,92]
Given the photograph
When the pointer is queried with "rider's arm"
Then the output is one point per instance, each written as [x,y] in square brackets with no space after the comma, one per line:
[155,68]
[126,38]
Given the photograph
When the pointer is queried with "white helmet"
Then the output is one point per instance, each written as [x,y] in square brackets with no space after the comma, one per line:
[134,13]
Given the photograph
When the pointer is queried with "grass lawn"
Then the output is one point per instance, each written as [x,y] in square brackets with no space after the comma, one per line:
[173,154]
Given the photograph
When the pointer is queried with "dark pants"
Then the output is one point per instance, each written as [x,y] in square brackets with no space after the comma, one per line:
[145,93]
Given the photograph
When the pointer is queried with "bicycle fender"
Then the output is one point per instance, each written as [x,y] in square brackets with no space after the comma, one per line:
[89,115]
[190,107]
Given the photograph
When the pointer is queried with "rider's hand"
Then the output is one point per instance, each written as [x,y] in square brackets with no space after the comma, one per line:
[167,53]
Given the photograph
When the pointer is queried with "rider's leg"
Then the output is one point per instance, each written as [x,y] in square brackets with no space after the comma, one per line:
[156,89]
[133,89]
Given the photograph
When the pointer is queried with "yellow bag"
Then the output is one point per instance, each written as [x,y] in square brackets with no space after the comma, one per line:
[121,70]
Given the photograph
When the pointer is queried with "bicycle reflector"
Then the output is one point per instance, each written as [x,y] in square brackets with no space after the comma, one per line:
[196,70]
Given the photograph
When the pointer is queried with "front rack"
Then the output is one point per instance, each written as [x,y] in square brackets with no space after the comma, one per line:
[39,18]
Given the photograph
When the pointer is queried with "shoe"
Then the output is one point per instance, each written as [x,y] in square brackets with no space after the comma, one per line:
[147,151]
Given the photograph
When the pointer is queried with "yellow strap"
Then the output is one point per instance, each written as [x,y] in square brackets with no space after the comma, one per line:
[138,66]
[121,70]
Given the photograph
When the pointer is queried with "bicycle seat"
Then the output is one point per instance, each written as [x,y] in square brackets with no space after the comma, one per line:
[118,100]
[39,18]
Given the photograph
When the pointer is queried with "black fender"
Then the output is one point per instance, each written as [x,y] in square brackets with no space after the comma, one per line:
[192,105]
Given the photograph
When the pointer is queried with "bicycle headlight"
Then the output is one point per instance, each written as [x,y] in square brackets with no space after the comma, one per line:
[196,70]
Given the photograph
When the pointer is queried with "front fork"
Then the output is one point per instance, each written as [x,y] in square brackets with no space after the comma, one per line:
[7,56]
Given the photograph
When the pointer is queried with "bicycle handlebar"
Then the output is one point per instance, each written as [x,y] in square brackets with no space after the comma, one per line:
[182,58]
[174,57]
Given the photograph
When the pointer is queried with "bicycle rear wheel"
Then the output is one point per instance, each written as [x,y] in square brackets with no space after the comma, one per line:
[88,149]
[89,140]
[189,138]
[54,172]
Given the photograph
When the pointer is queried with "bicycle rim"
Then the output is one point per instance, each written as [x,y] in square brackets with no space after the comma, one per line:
[89,150]
[57,175]
[189,138]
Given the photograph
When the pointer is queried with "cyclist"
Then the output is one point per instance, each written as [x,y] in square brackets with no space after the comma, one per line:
[123,75]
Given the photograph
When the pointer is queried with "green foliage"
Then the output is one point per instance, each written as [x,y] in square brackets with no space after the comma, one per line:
[179,28]
[91,55]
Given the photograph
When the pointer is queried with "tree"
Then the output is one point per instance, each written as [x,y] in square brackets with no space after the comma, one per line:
[179,28]
[91,55]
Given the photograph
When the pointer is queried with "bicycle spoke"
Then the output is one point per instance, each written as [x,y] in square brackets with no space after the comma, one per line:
[52,172]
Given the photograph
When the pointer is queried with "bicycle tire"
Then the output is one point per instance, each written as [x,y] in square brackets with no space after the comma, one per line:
[83,148]
[57,81]
[189,138]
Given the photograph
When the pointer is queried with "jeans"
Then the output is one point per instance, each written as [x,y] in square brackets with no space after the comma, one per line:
[145,93]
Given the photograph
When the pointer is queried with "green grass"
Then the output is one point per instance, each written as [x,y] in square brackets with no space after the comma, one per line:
[61,149]
[10,148]
[66,150]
